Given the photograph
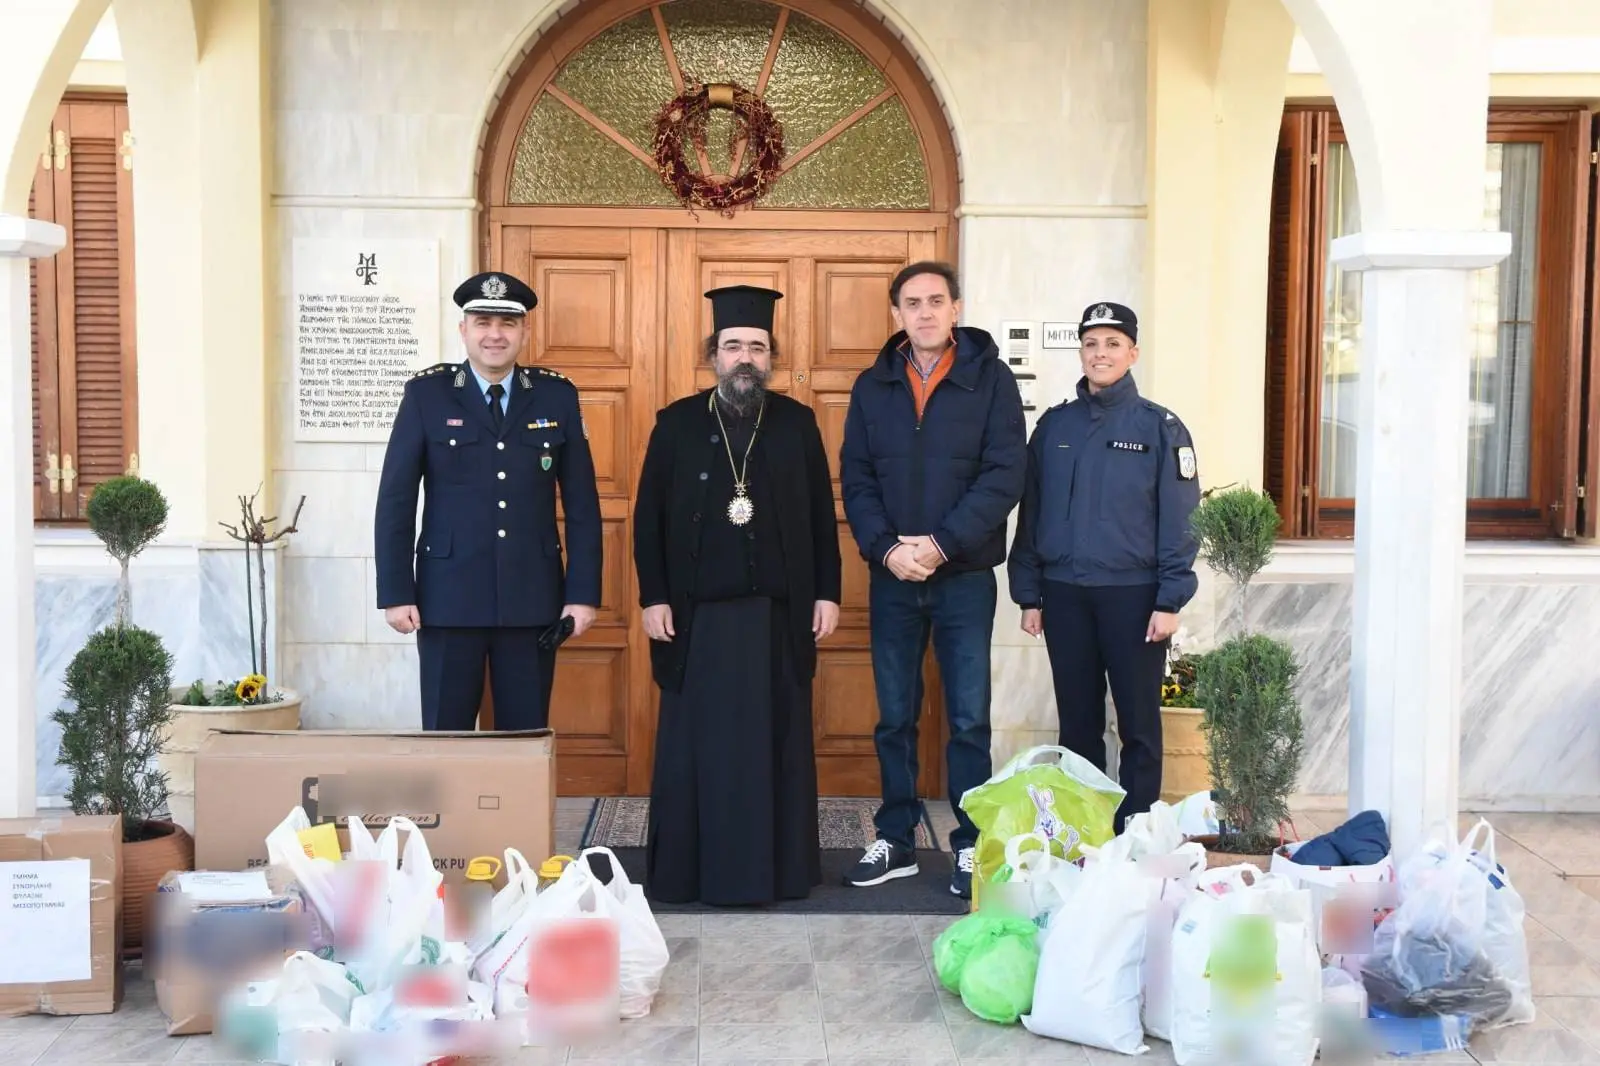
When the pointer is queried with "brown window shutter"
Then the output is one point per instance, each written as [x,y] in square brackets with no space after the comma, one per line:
[1586,386]
[95,270]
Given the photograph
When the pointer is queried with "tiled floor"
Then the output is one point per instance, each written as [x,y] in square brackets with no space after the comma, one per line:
[859,989]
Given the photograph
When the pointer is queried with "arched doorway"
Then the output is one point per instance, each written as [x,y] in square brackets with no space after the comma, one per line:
[573,204]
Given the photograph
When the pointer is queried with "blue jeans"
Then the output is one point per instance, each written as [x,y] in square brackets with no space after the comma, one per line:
[958,610]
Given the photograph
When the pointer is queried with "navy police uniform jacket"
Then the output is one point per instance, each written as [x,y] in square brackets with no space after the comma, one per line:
[489,553]
[1111,484]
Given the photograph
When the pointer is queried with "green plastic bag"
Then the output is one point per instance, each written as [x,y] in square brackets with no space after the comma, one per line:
[990,960]
[1046,790]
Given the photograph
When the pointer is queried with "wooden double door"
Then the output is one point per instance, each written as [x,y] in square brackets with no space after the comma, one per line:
[622,313]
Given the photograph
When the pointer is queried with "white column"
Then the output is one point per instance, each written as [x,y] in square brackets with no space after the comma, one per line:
[21,239]
[1405,685]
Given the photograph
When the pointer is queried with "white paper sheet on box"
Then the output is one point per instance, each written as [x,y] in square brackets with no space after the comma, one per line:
[225,886]
[44,921]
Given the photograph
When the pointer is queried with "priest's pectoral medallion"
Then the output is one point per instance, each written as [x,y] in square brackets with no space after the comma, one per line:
[740,508]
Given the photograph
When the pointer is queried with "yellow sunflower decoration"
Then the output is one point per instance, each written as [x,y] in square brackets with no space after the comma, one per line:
[249,688]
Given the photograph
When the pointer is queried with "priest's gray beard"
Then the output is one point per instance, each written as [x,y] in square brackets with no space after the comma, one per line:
[743,388]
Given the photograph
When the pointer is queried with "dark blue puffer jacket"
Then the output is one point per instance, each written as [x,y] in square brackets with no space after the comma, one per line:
[954,475]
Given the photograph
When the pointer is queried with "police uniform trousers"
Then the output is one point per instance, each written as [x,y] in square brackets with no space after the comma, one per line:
[1095,631]
[733,805]
[452,662]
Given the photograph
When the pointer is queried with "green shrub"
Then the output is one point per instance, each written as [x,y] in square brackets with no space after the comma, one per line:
[126,513]
[120,682]
[1237,530]
[1255,736]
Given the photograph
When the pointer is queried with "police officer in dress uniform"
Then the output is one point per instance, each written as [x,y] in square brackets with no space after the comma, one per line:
[489,441]
[1103,557]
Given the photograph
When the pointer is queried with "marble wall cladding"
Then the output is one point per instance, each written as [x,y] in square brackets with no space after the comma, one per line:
[196,604]
[1530,718]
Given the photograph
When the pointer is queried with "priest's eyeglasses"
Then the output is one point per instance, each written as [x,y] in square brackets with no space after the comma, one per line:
[734,347]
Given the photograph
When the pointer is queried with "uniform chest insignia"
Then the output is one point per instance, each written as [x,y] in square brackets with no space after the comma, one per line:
[545,460]
[527,381]
[453,422]
[544,423]
[1127,446]
[1186,463]
[461,379]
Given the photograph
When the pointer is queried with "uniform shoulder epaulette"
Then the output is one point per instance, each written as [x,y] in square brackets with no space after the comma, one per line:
[547,372]
[1166,415]
[437,368]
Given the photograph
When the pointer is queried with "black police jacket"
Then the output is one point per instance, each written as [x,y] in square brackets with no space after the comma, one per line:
[1111,485]
[489,553]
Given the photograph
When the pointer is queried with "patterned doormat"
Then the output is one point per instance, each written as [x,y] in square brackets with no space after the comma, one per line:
[845,822]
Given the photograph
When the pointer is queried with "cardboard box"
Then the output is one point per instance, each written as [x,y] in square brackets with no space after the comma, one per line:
[471,794]
[215,932]
[60,915]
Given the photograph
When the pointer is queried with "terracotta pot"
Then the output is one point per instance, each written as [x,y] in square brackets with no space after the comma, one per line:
[189,729]
[166,847]
[1185,754]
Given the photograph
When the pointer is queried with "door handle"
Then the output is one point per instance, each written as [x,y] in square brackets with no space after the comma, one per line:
[69,476]
[52,472]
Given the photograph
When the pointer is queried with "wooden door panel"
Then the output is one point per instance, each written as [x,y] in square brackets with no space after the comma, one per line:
[852,316]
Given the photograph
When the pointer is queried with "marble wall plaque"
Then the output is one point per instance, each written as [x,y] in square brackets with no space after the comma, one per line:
[366,317]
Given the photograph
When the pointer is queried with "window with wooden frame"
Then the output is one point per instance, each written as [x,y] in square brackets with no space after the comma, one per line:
[85,396]
[1531,440]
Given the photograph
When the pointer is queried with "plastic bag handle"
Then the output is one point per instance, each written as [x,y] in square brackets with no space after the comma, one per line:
[1468,842]
[619,877]
[1014,848]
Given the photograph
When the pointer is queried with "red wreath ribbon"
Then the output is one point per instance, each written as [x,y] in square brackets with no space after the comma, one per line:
[684,119]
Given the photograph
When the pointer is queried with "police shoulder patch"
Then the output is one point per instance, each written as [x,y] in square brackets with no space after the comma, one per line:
[1186,462]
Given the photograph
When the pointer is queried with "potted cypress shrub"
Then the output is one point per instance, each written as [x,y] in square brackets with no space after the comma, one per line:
[1246,685]
[111,733]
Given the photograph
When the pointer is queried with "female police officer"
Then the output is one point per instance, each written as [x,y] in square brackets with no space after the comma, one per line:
[1103,558]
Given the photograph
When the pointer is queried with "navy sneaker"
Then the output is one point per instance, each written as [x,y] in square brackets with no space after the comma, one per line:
[882,862]
[961,876]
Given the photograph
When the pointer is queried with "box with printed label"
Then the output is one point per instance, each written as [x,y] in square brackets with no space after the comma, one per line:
[60,915]
[471,794]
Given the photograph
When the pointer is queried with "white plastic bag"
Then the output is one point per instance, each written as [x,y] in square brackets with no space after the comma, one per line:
[1039,882]
[1152,832]
[644,949]
[1246,977]
[1087,987]
[578,893]
[1178,879]
[314,876]
[1455,944]
[405,920]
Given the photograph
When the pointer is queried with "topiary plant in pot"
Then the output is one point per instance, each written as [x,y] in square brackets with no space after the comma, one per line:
[1247,686]
[118,687]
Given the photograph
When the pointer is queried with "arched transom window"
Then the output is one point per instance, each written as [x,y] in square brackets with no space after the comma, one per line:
[849,139]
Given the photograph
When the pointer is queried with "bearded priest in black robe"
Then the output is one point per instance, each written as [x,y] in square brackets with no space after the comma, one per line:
[737,553]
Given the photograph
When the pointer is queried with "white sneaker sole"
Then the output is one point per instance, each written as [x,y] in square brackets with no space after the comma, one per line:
[899,871]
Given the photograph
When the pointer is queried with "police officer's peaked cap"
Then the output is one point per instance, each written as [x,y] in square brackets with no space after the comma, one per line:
[743,305]
[1115,316]
[495,293]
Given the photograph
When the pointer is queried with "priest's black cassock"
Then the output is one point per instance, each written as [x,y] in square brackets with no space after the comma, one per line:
[733,803]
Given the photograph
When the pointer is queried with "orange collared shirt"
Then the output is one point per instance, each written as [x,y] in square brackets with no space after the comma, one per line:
[920,391]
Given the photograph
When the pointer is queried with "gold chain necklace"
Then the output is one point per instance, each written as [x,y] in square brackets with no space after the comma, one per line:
[740,509]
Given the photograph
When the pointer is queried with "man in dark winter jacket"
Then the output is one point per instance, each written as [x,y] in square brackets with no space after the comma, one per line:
[933,461]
